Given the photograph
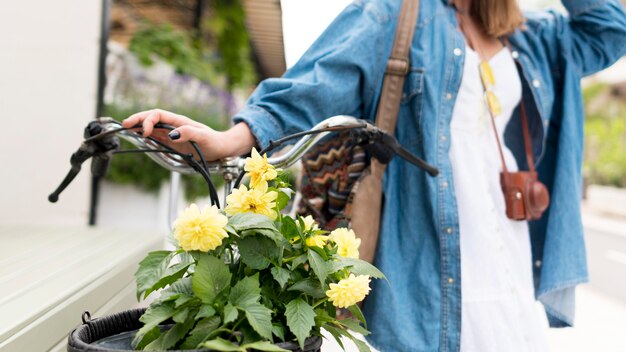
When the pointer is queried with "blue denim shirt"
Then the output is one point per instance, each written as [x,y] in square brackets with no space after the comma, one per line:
[420,308]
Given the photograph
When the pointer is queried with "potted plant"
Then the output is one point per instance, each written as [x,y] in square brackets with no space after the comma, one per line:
[251,278]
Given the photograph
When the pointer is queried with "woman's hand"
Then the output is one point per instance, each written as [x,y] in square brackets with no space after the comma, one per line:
[213,144]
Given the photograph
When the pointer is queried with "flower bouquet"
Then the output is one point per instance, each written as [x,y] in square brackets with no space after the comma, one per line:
[251,278]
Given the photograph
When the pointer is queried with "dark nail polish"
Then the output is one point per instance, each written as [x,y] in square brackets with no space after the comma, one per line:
[174,135]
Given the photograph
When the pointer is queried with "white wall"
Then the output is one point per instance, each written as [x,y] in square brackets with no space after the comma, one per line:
[48,74]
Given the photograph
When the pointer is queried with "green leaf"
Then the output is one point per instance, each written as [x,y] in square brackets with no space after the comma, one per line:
[361,345]
[282,200]
[172,274]
[181,315]
[246,221]
[258,252]
[219,344]
[289,229]
[321,317]
[354,326]
[279,331]
[230,313]
[201,332]
[300,319]
[299,261]
[357,266]
[281,275]
[151,270]
[154,315]
[246,292]
[319,266]
[182,286]
[147,338]
[169,339]
[336,333]
[356,312]
[263,346]
[274,235]
[210,278]
[260,318]
[182,299]
[309,287]
[205,312]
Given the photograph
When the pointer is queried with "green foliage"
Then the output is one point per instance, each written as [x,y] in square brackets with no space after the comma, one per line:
[175,47]
[300,319]
[210,278]
[233,43]
[229,58]
[262,285]
[605,137]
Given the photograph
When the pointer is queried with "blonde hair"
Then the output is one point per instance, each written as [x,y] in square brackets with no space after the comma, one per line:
[497,17]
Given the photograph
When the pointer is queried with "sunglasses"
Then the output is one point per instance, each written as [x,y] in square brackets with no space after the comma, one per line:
[489,81]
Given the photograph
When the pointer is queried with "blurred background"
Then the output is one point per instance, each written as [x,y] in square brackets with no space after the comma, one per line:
[64,62]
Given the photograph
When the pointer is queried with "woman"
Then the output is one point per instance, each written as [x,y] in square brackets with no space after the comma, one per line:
[462,276]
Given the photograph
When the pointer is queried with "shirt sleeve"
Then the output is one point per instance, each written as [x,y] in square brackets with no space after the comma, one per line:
[337,75]
[592,35]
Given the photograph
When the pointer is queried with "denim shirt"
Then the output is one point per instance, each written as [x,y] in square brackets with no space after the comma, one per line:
[419,309]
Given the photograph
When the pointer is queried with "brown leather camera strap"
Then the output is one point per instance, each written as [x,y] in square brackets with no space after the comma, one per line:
[398,66]
[525,132]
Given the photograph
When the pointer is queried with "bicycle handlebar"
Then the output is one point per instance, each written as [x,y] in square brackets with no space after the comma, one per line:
[101,142]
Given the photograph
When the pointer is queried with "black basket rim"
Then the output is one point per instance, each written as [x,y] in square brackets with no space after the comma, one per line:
[82,337]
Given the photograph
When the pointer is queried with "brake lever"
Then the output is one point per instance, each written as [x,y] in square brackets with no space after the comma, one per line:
[384,146]
[100,149]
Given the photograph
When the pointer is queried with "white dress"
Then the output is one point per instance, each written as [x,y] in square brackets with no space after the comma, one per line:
[498,309]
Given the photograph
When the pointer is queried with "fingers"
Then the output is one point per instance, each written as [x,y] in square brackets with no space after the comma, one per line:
[148,123]
[147,119]
[187,133]
[135,119]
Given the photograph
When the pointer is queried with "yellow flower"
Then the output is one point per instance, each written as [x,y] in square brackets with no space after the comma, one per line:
[259,169]
[350,291]
[309,223]
[346,241]
[317,241]
[198,230]
[254,200]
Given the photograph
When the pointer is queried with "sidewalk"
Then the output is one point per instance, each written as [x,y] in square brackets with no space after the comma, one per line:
[600,324]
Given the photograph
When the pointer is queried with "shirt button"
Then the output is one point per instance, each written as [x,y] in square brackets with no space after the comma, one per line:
[515,54]
[546,123]
[444,184]
[443,138]
[450,280]
[536,83]
[458,52]
[449,96]
[449,230]
[537,263]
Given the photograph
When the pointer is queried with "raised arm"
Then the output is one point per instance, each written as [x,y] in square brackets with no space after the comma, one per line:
[592,36]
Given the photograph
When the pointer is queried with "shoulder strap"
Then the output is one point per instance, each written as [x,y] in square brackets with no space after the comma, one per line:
[397,67]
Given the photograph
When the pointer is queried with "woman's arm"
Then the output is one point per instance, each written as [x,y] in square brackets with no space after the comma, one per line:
[592,37]
[337,75]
